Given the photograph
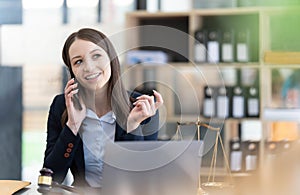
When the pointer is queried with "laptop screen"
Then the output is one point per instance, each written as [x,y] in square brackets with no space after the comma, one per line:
[152,167]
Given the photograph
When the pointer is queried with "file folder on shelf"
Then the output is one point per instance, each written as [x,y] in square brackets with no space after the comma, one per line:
[238,102]
[223,102]
[209,102]
[252,104]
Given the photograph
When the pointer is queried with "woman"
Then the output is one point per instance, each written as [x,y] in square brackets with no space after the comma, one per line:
[94,108]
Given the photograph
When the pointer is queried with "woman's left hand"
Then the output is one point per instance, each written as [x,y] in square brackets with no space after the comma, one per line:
[144,107]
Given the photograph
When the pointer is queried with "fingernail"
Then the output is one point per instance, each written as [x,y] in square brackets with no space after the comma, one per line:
[154,91]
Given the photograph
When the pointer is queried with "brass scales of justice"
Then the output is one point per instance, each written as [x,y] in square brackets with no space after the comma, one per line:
[211,183]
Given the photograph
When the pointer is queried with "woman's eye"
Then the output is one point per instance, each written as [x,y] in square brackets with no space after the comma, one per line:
[96,56]
[78,62]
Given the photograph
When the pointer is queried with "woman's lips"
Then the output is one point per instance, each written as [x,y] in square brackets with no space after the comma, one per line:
[92,76]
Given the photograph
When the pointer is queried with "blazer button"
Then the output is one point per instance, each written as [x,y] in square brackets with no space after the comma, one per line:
[66,155]
[69,150]
[70,145]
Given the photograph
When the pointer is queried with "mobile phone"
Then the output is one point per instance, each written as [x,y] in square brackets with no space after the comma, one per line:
[75,99]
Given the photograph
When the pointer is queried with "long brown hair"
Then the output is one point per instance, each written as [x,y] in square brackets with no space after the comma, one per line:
[116,91]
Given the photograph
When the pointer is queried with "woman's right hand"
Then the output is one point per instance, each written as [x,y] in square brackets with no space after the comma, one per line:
[75,115]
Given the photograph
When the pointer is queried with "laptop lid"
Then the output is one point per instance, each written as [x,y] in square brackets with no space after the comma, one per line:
[152,167]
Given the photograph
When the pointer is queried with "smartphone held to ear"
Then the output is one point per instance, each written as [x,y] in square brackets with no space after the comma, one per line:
[76,101]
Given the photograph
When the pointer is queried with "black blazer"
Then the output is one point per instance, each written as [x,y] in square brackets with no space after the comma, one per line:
[64,150]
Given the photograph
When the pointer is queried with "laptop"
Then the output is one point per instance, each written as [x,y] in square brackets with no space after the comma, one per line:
[152,167]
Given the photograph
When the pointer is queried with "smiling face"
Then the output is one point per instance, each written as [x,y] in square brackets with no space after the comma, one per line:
[90,64]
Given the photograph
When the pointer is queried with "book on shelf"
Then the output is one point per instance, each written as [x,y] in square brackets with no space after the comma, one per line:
[282,57]
[282,114]
[284,131]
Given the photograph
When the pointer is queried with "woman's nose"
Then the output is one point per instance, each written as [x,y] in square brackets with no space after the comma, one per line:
[89,65]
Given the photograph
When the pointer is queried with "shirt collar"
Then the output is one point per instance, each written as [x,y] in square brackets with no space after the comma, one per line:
[109,117]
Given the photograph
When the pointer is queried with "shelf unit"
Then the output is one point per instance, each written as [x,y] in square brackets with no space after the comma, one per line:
[257,19]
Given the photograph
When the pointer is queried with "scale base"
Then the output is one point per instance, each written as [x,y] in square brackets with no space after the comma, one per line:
[200,191]
[217,185]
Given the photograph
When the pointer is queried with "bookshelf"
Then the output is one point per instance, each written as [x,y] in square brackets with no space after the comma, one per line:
[181,71]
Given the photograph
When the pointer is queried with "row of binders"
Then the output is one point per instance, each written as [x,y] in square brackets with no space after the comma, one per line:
[231,101]
[213,46]
[244,155]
